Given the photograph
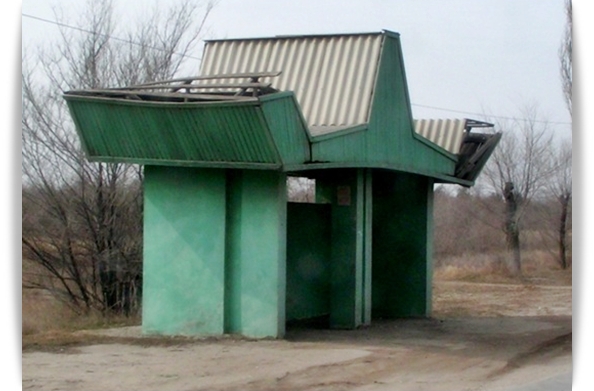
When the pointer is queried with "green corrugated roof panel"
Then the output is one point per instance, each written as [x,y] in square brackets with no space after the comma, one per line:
[236,133]
[287,127]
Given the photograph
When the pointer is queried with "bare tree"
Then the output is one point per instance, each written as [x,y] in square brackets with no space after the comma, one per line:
[565,56]
[560,187]
[517,171]
[463,222]
[82,221]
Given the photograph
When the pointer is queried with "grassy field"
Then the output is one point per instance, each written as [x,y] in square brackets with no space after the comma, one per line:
[47,323]
[538,267]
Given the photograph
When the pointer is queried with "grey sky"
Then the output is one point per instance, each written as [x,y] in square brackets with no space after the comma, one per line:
[464,56]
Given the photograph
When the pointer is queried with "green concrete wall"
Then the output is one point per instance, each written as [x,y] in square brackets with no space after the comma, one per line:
[308,260]
[214,252]
[402,244]
[184,243]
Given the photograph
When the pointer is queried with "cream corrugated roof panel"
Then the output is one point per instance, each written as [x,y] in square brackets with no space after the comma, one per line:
[332,76]
[446,133]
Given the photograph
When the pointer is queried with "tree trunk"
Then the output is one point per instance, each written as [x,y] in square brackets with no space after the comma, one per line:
[563,232]
[512,231]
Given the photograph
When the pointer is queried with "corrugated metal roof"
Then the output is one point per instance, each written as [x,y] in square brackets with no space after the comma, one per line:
[138,125]
[173,133]
[332,76]
[447,133]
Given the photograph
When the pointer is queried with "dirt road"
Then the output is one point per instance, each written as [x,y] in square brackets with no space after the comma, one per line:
[483,337]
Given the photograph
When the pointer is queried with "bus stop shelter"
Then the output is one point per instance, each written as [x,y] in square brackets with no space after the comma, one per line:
[224,252]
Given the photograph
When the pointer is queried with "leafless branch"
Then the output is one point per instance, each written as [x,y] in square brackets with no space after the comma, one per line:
[82,221]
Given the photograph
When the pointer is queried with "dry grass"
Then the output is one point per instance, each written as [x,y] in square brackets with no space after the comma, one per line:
[47,322]
[42,312]
[538,267]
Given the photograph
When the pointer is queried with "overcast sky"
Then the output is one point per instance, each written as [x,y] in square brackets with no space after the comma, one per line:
[463,58]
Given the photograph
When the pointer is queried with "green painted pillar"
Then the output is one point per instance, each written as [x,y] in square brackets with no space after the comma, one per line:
[367,279]
[402,244]
[255,270]
[214,252]
[350,255]
[184,243]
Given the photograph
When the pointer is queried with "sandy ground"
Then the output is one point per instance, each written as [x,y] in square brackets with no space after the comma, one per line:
[484,337]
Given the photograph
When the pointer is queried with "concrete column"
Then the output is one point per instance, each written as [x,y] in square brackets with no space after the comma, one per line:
[184,247]
[366,312]
[255,270]
[350,246]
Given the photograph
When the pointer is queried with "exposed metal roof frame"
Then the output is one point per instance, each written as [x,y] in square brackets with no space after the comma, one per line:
[448,133]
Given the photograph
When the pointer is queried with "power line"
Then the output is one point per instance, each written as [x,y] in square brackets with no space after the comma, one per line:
[102,35]
[197,58]
[493,116]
